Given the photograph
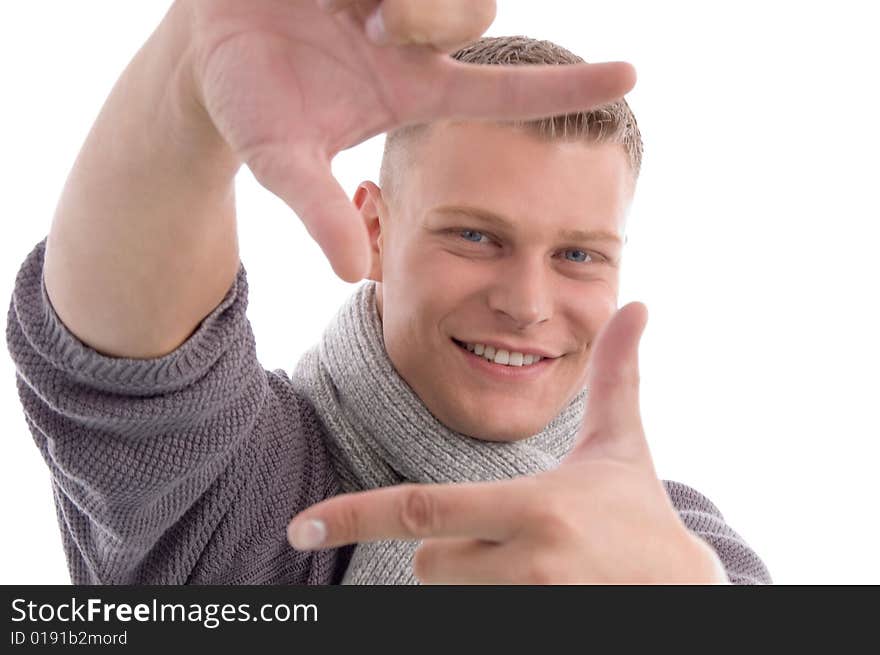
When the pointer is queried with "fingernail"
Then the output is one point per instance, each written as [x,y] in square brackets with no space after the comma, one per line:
[309,534]
[376,27]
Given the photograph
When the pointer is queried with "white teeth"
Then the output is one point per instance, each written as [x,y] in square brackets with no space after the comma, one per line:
[503,357]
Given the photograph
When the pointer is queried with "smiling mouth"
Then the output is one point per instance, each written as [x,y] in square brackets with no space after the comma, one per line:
[543,361]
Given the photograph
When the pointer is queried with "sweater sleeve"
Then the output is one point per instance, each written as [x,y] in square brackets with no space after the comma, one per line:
[179,469]
[702,517]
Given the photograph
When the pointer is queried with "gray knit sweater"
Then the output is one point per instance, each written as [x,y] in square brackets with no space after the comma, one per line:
[188,467]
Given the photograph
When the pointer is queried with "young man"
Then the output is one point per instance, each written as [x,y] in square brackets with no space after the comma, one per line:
[485,348]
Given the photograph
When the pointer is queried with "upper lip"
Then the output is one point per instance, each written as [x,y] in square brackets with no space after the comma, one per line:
[501,345]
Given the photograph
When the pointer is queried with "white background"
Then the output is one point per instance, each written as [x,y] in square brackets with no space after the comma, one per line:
[752,241]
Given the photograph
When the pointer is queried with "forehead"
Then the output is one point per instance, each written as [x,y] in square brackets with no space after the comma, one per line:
[514,172]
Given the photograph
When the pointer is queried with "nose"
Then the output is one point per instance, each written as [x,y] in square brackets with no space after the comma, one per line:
[523,293]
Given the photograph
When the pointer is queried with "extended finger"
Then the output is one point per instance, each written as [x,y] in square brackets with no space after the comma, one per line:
[612,421]
[486,511]
[461,90]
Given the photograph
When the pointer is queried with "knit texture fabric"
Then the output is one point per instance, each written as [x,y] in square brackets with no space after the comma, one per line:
[187,468]
[349,376]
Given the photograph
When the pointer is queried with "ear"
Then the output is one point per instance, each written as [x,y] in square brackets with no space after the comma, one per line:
[374,213]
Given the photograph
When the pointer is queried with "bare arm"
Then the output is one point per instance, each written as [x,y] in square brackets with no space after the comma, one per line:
[143,248]
[143,244]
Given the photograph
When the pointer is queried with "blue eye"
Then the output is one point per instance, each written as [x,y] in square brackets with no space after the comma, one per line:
[585,256]
[479,234]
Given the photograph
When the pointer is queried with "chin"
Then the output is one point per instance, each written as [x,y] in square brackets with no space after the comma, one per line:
[486,431]
[468,416]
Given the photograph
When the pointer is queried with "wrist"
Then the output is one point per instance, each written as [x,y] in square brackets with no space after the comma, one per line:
[183,114]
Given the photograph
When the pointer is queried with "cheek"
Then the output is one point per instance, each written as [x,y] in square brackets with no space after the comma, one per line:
[440,274]
[595,308]
[421,291]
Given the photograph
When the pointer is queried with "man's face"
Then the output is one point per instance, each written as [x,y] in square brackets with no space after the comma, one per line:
[447,275]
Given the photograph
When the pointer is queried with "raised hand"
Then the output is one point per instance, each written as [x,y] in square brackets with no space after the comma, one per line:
[602,516]
[289,84]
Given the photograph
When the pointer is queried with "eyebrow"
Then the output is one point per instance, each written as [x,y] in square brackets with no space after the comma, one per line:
[499,221]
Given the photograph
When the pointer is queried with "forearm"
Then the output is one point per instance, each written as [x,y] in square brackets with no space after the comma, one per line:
[143,243]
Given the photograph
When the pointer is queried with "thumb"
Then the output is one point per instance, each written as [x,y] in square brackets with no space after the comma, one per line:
[303,179]
[612,422]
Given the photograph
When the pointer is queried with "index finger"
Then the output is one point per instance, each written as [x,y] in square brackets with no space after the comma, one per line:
[480,510]
[462,90]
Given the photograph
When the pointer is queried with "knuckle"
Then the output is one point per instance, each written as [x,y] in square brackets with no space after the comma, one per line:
[542,570]
[346,524]
[418,512]
[553,517]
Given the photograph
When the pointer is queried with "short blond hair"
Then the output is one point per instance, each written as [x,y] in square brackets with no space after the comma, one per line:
[611,123]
